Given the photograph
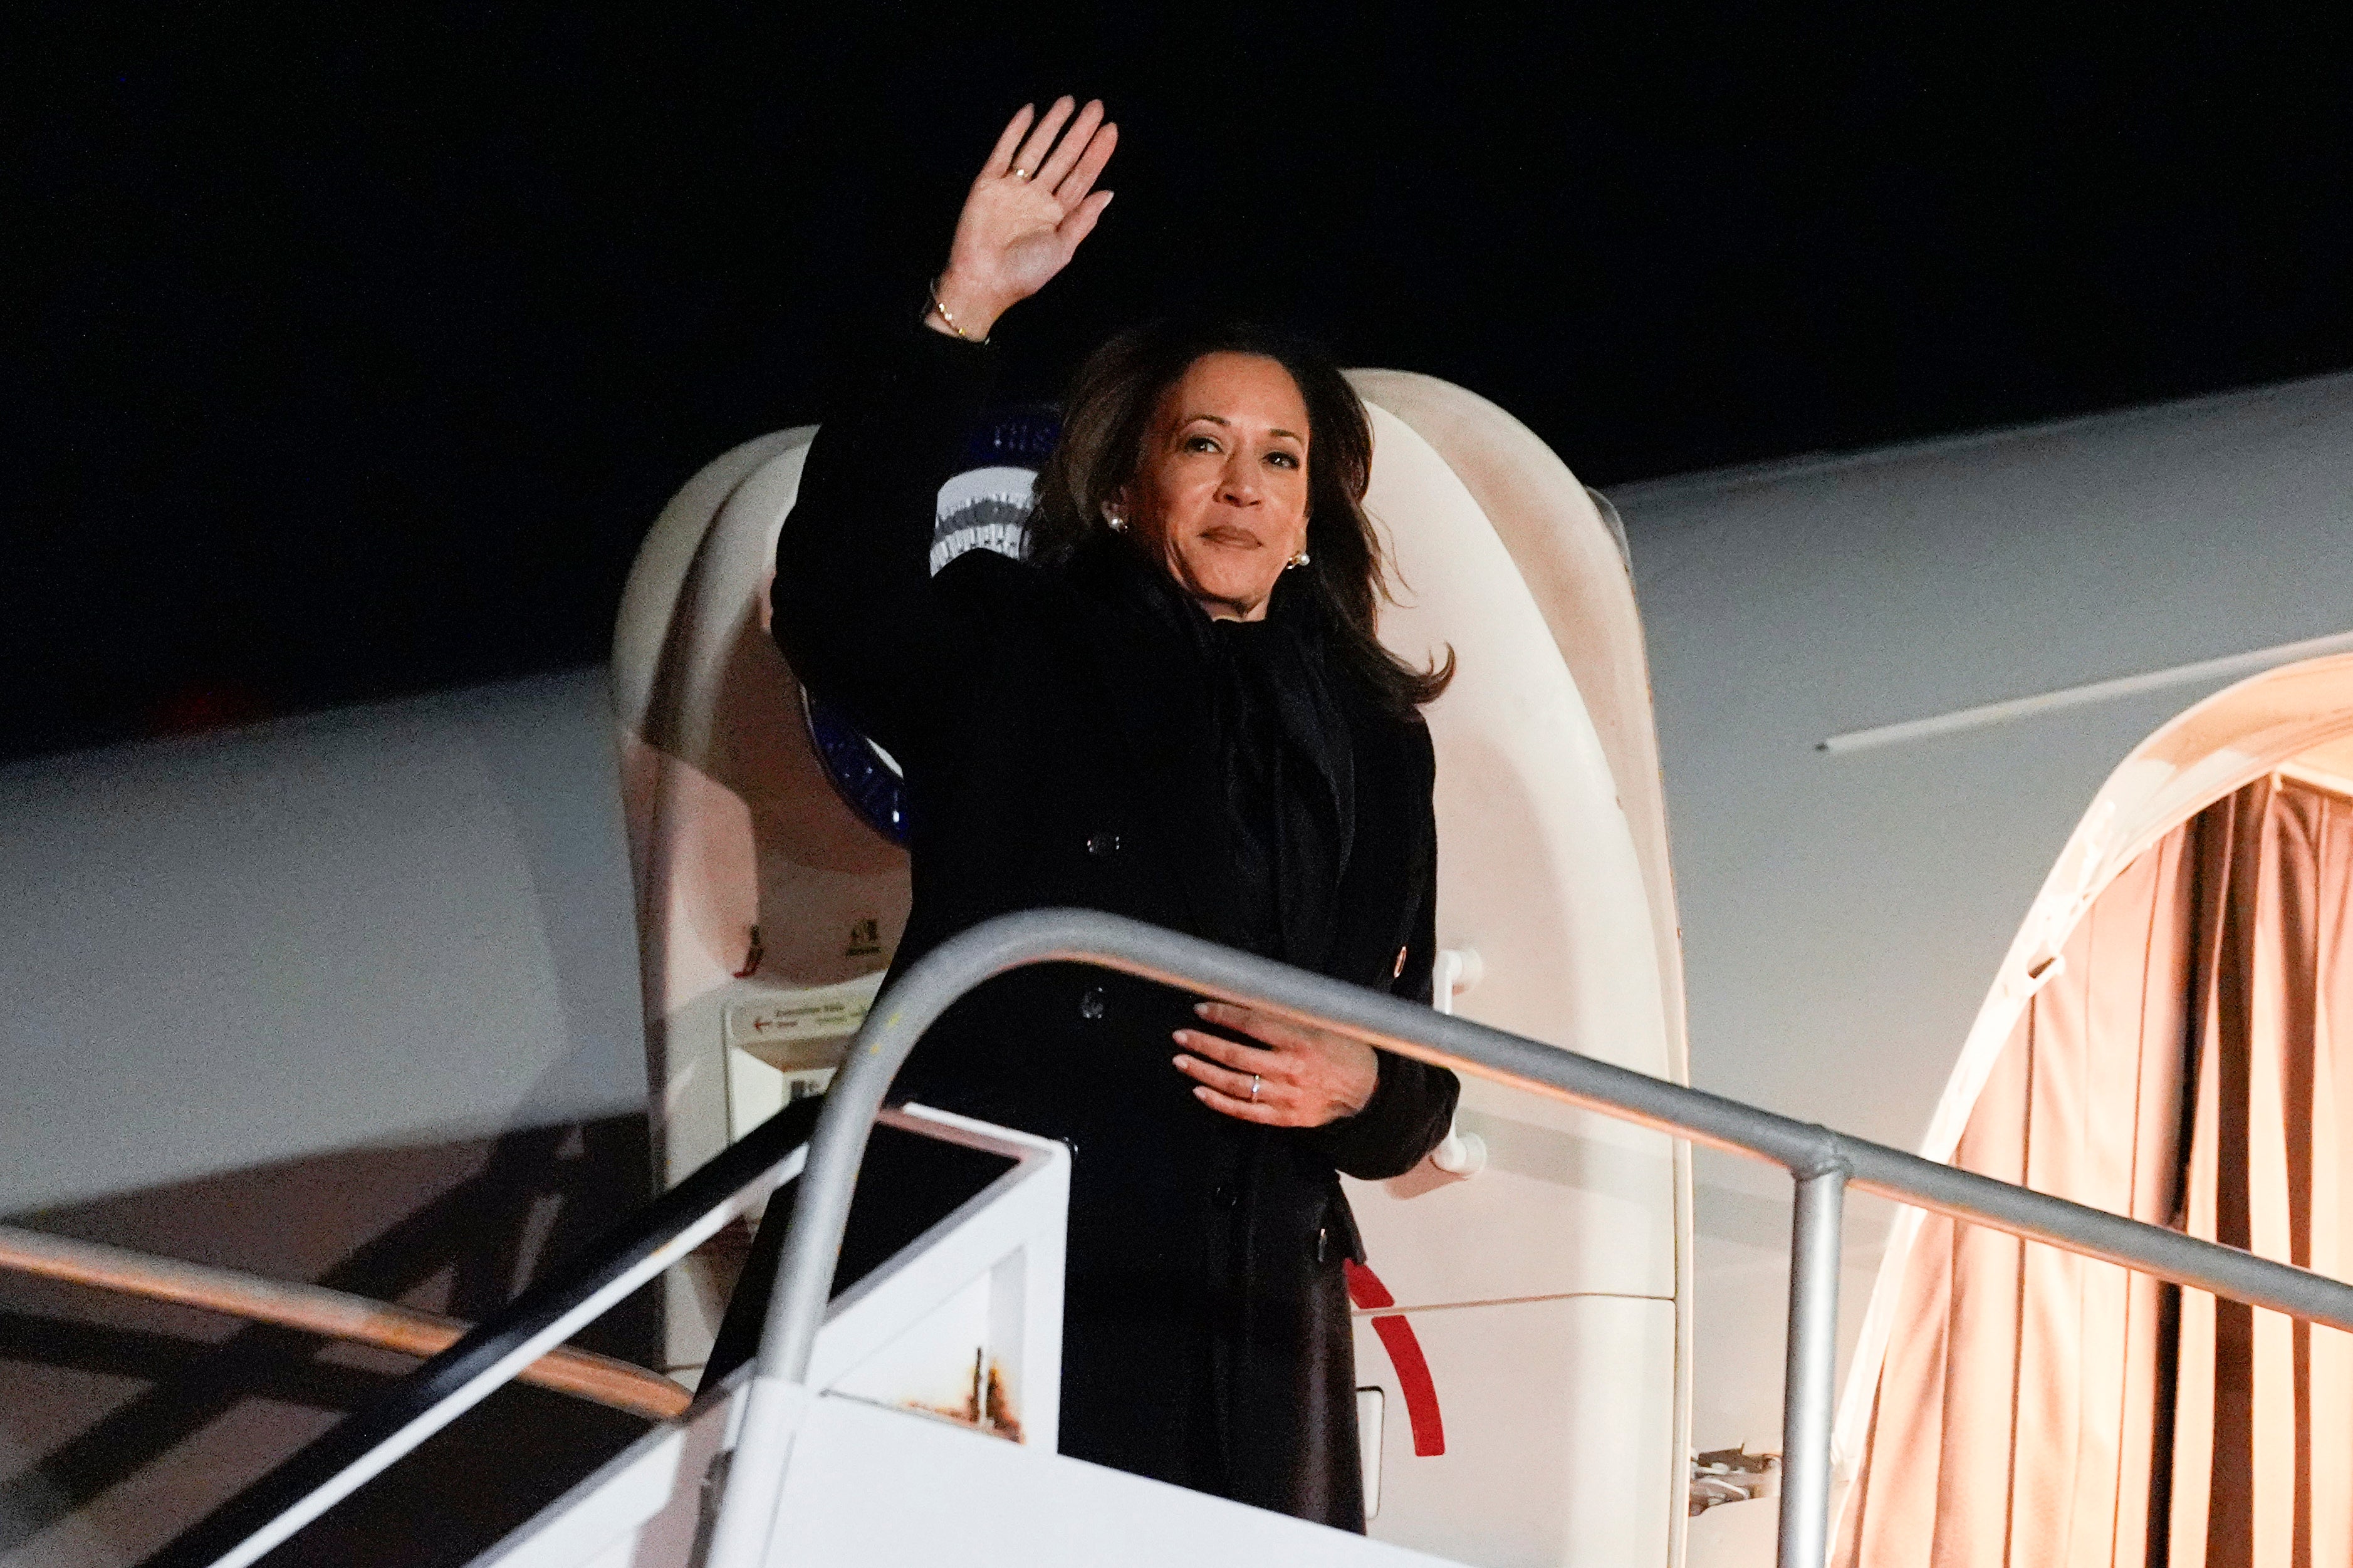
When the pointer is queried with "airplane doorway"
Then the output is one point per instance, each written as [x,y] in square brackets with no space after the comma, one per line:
[2171,1036]
[1526,1324]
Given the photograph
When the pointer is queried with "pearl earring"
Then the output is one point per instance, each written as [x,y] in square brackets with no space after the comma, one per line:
[1300,559]
[1118,523]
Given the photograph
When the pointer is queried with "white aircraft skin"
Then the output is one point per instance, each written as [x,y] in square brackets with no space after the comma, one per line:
[413,922]
[1844,912]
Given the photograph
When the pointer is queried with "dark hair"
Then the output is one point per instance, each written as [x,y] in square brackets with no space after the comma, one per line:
[1108,415]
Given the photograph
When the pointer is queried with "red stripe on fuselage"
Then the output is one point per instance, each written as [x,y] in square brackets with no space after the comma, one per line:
[1366,1291]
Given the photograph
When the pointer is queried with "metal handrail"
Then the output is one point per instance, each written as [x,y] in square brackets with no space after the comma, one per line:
[353,1451]
[1824,1164]
[316,1310]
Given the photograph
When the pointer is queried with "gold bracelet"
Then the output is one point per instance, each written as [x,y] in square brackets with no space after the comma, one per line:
[933,286]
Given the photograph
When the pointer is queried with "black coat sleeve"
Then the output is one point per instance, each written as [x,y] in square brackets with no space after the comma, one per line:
[1413,1103]
[852,600]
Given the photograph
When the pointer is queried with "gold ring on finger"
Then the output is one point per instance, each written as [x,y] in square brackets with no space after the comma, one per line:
[1020,173]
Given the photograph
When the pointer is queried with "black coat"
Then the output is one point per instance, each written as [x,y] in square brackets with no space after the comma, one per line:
[1057,754]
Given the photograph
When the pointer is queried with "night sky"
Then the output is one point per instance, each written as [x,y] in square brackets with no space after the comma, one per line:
[355,352]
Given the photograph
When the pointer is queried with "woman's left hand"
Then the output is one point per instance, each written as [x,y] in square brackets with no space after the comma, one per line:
[1297,1076]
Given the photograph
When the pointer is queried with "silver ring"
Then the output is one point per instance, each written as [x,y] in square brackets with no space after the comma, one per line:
[1253,1086]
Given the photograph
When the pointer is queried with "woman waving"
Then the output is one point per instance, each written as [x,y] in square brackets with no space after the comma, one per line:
[1175,709]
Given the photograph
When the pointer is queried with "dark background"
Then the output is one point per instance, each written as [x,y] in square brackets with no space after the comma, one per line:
[357,351]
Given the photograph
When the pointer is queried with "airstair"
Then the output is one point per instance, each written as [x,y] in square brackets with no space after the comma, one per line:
[889,1399]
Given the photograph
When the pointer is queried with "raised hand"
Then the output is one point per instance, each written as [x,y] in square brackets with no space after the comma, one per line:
[1032,204]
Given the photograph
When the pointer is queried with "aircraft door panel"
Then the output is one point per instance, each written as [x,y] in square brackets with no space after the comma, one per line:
[1538,874]
[759,887]
[1593,1486]
[1572,560]
[1542,1289]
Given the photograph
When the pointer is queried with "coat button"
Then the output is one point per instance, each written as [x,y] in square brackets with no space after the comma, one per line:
[1092,1004]
[1225,1197]
[1102,845]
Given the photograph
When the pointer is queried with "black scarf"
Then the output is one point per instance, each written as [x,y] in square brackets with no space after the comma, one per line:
[1282,750]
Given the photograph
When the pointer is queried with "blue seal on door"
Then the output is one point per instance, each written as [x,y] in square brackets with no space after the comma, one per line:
[983,507]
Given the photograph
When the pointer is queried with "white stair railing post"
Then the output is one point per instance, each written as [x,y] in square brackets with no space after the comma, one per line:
[1810,1388]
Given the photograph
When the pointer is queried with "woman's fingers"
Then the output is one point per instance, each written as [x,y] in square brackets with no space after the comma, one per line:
[1033,151]
[1250,1084]
[1074,141]
[1000,157]
[1317,1076]
[1243,1059]
[1224,1080]
[1242,1109]
[1246,1095]
[1073,188]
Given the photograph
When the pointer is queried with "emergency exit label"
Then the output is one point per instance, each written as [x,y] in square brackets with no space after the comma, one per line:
[780,1024]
